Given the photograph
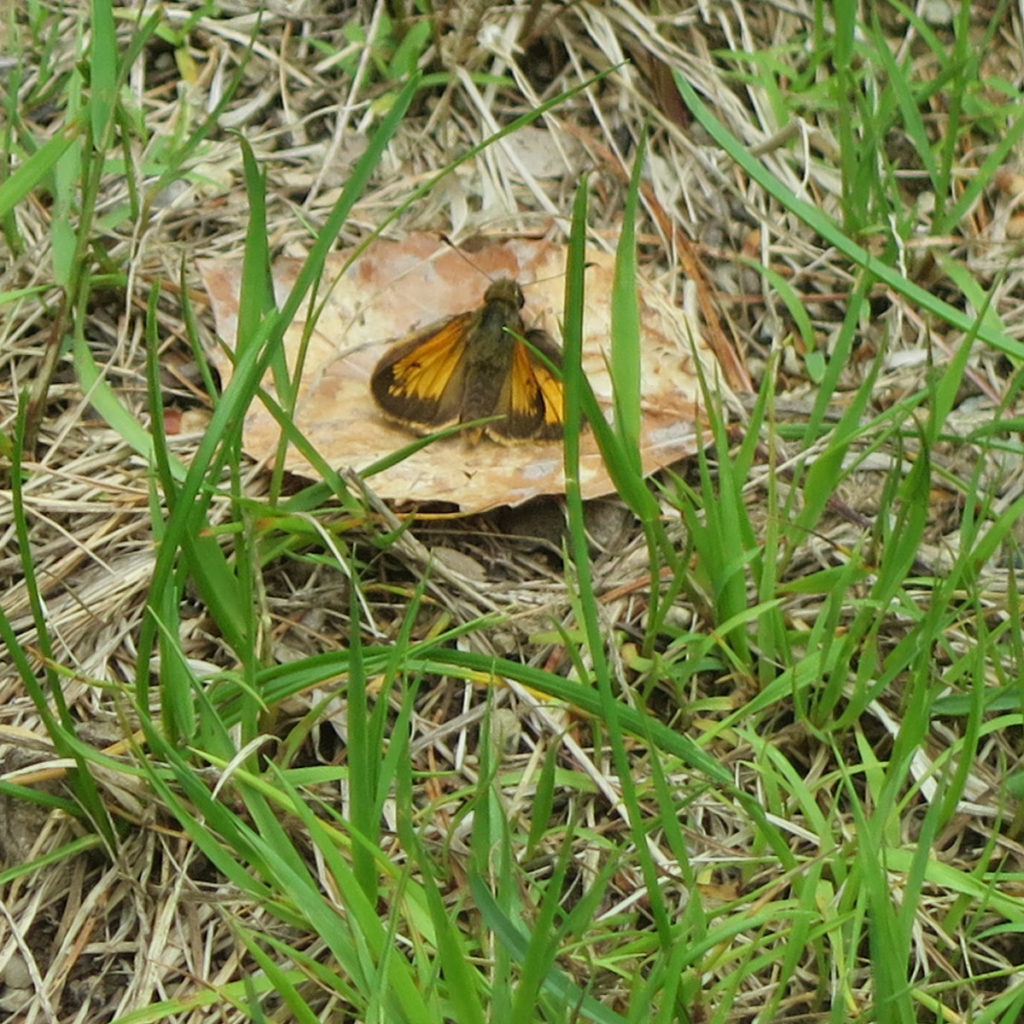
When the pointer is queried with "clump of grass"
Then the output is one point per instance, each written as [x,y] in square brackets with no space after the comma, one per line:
[758,764]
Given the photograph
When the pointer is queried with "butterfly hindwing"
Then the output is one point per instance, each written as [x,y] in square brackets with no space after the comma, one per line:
[532,400]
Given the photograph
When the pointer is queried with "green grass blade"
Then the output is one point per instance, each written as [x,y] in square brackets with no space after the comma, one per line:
[626,356]
[229,413]
[36,168]
[103,68]
[555,981]
[825,227]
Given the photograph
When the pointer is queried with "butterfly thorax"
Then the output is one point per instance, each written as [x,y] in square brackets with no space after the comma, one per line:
[489,361]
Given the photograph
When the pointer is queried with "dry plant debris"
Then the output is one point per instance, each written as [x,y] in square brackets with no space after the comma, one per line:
[96,934]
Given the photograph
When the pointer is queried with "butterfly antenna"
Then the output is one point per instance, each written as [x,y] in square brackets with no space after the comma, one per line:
[447,240]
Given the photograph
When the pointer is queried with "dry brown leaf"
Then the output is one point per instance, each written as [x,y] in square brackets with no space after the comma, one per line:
[395,287]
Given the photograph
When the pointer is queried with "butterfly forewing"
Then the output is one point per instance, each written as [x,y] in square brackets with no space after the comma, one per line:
[420,381]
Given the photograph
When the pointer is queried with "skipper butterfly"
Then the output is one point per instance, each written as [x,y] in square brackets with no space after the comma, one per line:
[475,365]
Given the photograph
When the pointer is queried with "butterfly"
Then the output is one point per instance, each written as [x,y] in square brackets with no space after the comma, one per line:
[478,364]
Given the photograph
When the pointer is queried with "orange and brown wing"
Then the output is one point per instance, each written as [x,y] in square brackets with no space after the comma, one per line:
[420,381]
[533,399]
